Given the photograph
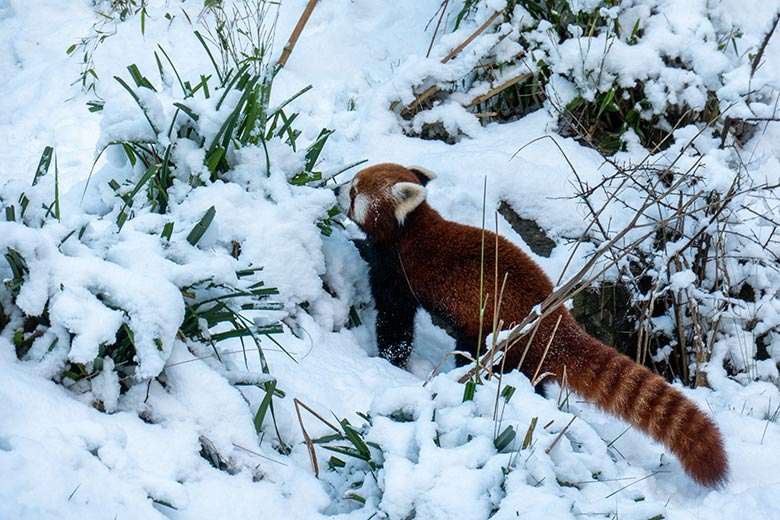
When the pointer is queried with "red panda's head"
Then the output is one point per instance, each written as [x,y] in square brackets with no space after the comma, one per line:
[380,198]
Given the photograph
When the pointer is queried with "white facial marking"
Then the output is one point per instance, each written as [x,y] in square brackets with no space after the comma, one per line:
[343,196]
[409,195]
[360,208]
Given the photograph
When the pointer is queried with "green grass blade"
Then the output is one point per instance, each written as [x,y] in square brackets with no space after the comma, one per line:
[175,72]
[265,404]
[167,231]
[470,388]
[187,110]
[140,79]
[357,441]
[56,189]
[291,99]
[241,73]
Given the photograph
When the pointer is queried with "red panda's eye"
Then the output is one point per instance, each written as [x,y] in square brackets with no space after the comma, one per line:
[352,192]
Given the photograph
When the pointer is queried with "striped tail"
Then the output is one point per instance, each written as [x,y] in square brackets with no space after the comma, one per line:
[623,388]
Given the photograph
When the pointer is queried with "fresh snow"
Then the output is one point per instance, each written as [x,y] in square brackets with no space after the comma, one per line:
[140,457]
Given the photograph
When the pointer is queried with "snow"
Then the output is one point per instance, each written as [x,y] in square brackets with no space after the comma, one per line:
[128,445]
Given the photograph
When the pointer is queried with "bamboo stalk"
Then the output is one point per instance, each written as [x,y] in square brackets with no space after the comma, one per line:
[468,40]
[492,92]
[419,100]
[290,45]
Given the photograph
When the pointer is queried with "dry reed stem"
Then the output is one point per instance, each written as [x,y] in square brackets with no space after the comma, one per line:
[433,90]
[419,100]
[290,45]
[546,350]
[558,437]
[569,290]
[307,439]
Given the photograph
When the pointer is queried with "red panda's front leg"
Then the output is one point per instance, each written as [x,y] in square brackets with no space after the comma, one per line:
[394,303]
[394,327]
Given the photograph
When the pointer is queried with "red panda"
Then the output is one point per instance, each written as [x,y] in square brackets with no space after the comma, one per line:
[418,259]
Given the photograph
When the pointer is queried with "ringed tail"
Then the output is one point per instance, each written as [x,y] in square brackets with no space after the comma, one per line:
[645,400]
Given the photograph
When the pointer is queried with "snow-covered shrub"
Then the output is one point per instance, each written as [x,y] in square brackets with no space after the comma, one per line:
[176,222]
[700,260]
[602,68]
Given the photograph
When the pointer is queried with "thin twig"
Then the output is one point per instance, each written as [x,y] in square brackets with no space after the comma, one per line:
[764,43]
[438,24]
[307,439]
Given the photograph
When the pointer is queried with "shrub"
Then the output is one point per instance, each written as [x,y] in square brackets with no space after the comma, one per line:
[578,59]
[80,302]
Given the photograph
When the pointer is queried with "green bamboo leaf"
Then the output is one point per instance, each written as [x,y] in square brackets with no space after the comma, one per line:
[200,228]
[505,438]
[606,102]
[137,100]
[469,390]
[43,164]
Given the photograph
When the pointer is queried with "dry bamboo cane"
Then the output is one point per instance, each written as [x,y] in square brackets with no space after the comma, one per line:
[290,45]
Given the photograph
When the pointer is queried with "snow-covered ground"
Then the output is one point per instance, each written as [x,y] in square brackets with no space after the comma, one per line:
[141,457]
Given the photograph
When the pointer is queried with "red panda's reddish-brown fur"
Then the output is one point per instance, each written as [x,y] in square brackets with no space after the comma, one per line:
[424,260]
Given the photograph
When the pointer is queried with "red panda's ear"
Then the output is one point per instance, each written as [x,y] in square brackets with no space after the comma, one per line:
[423,174]
[408,195]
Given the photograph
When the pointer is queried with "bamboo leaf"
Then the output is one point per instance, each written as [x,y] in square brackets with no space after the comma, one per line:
[43,164]
[167,231]
[137,100]
[200,228]
[505,438]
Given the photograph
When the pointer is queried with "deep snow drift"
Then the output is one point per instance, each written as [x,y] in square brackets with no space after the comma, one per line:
[141,457]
